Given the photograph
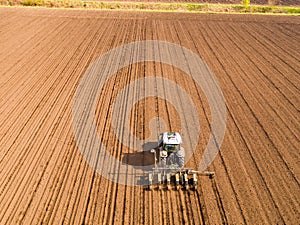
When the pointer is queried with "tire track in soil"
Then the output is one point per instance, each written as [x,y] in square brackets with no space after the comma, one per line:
[26,27]
[14,109]
[129,216]
[206,188]
[141,69]
[142,190]
[207,191]
[57,195]
[91,206]
[119,123]
[66,190]
[235,87]
[17,109]
[139,129]
[70,197]
[16,80]
[289,48]
[192,217]
[88,203]
[131,192]
[290,80]
[18,52]
[13,95]
[21,159]
[280,116]
[284,35]
[59,117]
[223,143]
[283,93]
[265,178]
[289,132]
[181,202]
[189,216]
[72,215]
[106,204]
[157,195]
[150,69]
[291,30]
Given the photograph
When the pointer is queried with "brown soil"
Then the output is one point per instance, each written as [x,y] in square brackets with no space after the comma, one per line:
[43,177]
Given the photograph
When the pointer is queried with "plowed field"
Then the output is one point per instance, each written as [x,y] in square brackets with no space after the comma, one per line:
[43,176]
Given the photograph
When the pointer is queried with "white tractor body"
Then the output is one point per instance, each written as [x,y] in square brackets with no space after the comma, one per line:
[170,167]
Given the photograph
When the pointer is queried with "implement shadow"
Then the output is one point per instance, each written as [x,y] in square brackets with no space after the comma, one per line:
[141,159]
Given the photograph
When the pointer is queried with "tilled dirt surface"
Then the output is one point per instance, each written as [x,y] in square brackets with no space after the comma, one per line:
[43,176]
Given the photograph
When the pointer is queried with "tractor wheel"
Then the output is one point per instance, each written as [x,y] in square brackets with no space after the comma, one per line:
[180,161]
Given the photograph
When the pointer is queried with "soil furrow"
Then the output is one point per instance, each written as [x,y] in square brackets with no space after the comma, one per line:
[44,178]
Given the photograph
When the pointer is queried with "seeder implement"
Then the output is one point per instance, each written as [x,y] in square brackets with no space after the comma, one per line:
[166,178]
[169,168]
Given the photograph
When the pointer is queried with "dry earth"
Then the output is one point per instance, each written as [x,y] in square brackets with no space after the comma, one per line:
[43,176]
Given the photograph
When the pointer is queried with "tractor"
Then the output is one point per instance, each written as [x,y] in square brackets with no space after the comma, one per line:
[169,168]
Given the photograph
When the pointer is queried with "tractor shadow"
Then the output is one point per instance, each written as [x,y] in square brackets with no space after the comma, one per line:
[141,159]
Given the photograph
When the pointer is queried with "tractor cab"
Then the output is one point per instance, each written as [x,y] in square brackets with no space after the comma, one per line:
[169,141]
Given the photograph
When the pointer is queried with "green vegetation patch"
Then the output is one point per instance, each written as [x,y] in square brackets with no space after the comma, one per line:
[244,7]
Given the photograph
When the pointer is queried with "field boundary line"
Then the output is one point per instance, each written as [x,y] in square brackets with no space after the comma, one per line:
[156,7]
